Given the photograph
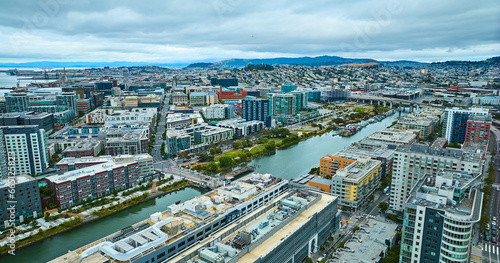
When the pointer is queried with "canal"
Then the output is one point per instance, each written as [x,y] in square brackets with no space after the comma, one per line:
[287,164]
[300,158]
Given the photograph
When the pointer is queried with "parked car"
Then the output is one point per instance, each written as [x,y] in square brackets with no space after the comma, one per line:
[493,232]
[493,223]
[487,238]
[493,227]
[494,218]
[493,239]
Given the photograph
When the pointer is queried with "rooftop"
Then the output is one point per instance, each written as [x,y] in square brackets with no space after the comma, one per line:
[19,179]
[394,136]
[466,154]
[358,170]
[368,242]
[267,245]
[454,192]
[87,171]
[181,219]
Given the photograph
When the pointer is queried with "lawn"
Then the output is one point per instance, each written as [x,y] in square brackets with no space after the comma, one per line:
[232,154]
[258,149]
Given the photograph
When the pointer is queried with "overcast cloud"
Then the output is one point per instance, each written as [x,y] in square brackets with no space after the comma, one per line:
[177,31]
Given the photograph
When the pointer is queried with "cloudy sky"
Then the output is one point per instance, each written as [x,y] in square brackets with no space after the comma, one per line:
[183,31]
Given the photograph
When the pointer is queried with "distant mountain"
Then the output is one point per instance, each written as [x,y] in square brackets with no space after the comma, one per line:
[303,61]
[200,65]
[493,60]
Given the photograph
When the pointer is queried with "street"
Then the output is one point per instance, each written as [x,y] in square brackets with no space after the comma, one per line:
[490,248]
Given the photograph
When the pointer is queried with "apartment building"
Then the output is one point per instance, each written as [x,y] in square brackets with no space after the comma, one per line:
[356,182]
[26,199]
[28,145]
[93,181]
[218,111]
[439,217]
[455,124]
[478,129]
[411,163]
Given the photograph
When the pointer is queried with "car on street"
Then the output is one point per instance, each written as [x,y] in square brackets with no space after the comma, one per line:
[494,218]
[487,238]
[493,232]
[493,223]
[498,188]
[493,239]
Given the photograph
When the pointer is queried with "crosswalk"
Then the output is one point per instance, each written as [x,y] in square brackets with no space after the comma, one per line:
[491,248]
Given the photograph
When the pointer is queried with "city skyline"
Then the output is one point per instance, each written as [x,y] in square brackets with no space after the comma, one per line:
[174,32]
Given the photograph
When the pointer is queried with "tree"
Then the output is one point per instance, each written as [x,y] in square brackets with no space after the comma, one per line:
[218,150]
[212,167]
[183,155]
[225,161]
[236,145]
[314,170]
[212,151]
[484,221]
[383,207]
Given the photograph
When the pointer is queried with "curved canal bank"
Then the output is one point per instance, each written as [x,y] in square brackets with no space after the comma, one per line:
[55,246]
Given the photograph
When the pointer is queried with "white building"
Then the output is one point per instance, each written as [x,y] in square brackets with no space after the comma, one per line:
[98,116]
[27,146]
[439,218]
[412,162]
[218,111]
[137,114]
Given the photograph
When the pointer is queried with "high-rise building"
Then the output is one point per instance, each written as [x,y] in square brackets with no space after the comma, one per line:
[66,101]
[439,218]
[27,145]
[478,129]
[287,105]
[16,102]
[42,119]
[455,123]
[411,163]
[26,199]
[256,109]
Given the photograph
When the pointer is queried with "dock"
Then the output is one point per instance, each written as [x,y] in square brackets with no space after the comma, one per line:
[235,174]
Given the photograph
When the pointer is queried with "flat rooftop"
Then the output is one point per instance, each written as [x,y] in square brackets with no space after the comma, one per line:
[394,136]
[358,170]
[287,230]
[466,154]
[368,242]
[180,219]
[438,191]
[19,180]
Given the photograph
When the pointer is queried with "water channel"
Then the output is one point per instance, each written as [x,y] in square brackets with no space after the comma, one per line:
[286,164]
